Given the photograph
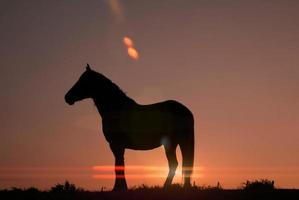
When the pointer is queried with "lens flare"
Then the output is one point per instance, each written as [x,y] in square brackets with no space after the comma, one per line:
[117,9]
[128,41]
[138,167]
[139,172]
[133,53]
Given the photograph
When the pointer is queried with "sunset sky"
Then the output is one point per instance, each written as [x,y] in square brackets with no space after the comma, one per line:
[233,63]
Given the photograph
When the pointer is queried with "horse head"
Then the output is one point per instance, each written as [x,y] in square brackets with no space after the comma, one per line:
[83,88]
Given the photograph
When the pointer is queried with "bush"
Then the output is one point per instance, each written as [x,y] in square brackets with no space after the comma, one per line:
[263,184]
[66,187]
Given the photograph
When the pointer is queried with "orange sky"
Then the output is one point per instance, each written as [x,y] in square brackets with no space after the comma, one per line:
[233,63]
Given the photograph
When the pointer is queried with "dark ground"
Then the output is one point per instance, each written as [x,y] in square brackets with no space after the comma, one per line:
[143,193]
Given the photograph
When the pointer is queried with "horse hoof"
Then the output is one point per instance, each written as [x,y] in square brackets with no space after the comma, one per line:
[166,186]
[120,188]
[187,185]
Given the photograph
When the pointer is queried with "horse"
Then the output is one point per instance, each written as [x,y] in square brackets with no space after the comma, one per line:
[129,125]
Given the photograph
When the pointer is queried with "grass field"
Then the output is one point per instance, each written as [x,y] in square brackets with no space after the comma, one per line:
[251,190]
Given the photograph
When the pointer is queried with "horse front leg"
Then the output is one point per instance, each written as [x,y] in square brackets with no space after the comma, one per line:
[120,181]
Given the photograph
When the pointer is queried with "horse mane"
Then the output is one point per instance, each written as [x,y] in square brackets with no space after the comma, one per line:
[114,90]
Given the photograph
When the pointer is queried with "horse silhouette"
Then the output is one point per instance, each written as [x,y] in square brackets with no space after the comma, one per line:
[129,125]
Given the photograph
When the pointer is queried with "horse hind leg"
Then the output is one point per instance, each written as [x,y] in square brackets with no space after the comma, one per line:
[172,163]
[187,148]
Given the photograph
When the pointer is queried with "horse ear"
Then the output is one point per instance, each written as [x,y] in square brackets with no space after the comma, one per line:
[88,67]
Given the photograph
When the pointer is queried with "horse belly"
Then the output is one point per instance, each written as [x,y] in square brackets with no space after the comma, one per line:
[147,132]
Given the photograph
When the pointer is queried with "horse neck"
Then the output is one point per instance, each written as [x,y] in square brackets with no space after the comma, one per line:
[112,104]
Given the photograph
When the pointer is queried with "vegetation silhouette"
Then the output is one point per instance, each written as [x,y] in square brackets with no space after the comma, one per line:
[67,187]
[129,125]
[263,184]
[69,190]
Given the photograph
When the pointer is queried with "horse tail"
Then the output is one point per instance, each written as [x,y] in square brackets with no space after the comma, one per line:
[187,149]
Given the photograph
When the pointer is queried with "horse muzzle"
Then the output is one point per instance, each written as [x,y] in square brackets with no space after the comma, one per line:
[68,100]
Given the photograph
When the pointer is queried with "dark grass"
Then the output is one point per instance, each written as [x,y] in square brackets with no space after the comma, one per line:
[69,191]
